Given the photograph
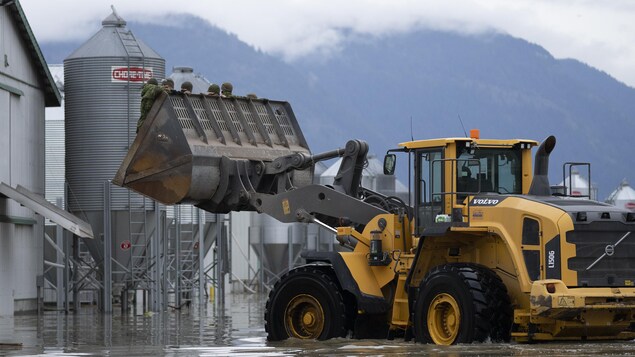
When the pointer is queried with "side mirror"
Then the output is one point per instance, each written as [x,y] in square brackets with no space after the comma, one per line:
[390,160]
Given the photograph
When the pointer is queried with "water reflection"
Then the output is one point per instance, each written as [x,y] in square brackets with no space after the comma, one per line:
[236,330]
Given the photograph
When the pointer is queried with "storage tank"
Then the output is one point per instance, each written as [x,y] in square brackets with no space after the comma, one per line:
[578,186]
[182,74]
[102,81]
[623,196]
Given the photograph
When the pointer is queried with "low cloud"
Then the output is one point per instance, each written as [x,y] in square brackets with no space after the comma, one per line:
[598,33]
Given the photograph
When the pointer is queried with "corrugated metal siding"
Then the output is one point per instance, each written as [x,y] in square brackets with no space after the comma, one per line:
[54,160]
[27,169]
[5,135]
[21,163]
[101,118]
[26,142]
[101,115]
[54,146]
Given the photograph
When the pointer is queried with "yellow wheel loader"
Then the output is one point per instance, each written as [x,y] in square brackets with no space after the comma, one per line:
[485,252]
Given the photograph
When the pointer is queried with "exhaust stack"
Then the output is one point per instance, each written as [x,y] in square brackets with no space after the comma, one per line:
[540,184]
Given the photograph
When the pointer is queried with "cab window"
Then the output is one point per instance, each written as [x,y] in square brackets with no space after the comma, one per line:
[489,170]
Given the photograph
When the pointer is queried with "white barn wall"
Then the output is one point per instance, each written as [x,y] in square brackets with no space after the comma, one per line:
[21,163]
[25,138]
[6,269]
[26,141]
[5,138]
[6,229]
[20,61]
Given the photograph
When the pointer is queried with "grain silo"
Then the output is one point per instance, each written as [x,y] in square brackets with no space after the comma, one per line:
[182,74]
[102,81]
[623,196]
[577,185]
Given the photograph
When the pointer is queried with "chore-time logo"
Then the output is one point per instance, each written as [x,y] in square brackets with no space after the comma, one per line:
[130,74]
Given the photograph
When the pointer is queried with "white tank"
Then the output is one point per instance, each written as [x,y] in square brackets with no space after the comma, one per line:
[183,74]
[579,186]
[623,196]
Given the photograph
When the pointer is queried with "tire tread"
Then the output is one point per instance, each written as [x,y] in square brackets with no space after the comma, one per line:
[491,304]
[328,278]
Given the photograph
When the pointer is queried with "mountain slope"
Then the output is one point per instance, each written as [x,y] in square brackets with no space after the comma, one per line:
[506,87]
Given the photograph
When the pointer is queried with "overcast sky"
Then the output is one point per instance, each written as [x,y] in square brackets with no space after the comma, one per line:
[598,32]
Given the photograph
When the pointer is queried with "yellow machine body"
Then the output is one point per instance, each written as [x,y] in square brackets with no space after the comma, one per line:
[495,231]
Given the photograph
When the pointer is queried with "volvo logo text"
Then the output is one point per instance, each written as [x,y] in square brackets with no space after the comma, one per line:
[609,250]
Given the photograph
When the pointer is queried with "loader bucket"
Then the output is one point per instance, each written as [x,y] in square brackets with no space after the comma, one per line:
[177,154]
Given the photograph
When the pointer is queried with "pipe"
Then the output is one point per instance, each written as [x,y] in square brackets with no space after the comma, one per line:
[540,183]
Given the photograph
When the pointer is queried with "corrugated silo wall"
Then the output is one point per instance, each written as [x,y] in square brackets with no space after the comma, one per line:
[101,117]
[100,123]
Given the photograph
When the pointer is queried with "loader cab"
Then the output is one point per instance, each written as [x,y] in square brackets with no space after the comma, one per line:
[449,172]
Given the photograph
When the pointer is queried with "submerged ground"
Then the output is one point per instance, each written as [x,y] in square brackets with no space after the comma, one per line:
[236,330]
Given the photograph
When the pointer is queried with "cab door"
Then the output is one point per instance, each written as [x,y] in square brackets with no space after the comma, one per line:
[429,186]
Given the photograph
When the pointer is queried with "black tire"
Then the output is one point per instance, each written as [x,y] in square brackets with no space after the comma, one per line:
[305,303]
[466,303]
[500,303]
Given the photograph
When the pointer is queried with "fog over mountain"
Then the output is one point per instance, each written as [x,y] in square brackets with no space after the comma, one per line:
[374,87]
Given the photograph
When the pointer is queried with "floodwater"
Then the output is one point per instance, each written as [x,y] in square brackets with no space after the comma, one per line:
[237,331]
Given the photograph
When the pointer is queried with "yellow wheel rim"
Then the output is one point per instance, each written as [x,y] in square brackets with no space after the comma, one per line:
[444,319]
[304,317]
